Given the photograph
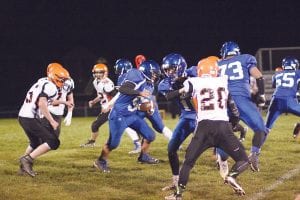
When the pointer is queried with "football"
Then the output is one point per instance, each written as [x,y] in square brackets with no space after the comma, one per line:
[145,106]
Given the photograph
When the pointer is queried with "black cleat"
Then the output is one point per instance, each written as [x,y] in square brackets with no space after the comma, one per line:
[145,158]
[102,166]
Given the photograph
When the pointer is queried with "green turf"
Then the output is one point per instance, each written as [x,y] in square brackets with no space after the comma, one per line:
[67,173]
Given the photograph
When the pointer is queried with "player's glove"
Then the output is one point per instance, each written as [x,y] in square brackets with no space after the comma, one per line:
[234,120]
[178,83]
[68,119]
[261,100]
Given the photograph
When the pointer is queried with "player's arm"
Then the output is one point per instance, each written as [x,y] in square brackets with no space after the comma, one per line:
[95,100]
[70,102]
[43,106]
[273,81]
[184,87]
[106,107]
[127,88]
[254,71]
[235,115]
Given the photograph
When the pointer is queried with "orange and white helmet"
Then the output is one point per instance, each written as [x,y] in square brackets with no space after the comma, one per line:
[57,74]
[100,69]
[208,67]
[212,58]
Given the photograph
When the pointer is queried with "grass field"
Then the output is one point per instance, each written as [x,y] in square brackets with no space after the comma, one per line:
[67,173]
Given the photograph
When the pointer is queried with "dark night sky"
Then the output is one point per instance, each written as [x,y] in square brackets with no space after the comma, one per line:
[76,33]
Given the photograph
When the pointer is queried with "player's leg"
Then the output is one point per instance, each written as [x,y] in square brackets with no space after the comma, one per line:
[136,140]
[116,129]
[100,120]
[251,116]
[294,108]
[181,132]
[197,146]
[158,125]
[50,142]
[235,149]
[139,125]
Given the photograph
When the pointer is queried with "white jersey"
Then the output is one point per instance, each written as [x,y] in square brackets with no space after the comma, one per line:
[62,94]
[42,88]
[103,87]
[210,97]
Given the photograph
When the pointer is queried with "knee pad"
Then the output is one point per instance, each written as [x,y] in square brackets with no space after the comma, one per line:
[112,146]
[54,144]
[94,127]
[150,138]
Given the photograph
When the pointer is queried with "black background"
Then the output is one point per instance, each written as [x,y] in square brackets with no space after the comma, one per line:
[76,33]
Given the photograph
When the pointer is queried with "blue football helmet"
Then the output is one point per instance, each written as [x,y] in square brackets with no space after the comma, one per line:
[150,69]
[290,63]
[230,49]
[122,66]
[174,65]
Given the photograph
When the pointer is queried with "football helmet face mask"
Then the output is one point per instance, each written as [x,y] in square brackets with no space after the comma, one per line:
[290,63]
[100,71]
[138,60]
[230,49]
[151,70]
[57,74]
[68,85]
[122,66]
[173,65]
[207,68]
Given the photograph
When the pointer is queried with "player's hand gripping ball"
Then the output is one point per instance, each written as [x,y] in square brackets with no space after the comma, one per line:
[145,106]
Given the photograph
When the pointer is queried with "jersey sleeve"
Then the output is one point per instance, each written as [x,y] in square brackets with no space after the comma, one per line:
[187,85]
[134,76]
[49,91]
[109,86]
[191,72]
[251,61]
[164,87]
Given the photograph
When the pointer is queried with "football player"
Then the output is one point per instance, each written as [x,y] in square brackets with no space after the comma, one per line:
[238,68]
[212,100]
[147,68]
[64,99]
[105,91]
[174,66]
[122,66]
[286,84]
[123,115]
[35,104]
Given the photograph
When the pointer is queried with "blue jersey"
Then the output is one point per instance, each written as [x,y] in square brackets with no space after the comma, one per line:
[286,83]
[237,68]
[124,104]
[191,72]
[185,105]
[121,79]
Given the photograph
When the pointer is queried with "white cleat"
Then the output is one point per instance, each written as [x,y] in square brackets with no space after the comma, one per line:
[223,167]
